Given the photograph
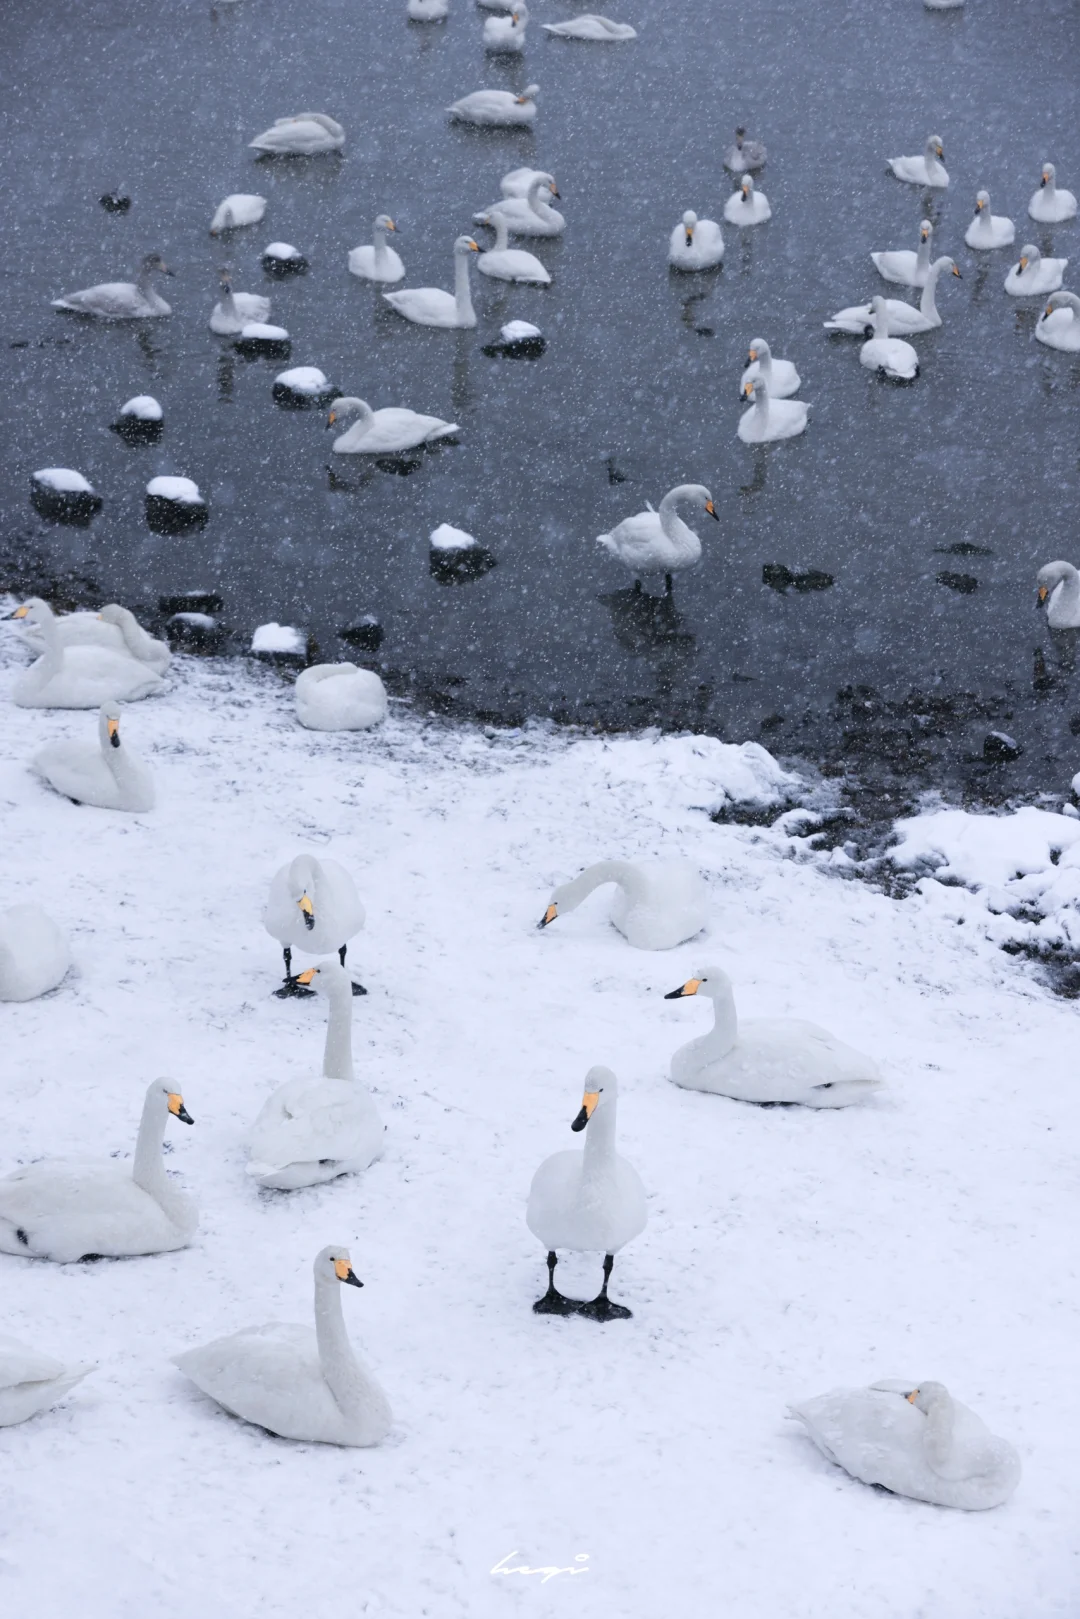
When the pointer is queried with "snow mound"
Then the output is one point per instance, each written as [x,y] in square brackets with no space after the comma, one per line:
[144,407]
[278,638]
[692,772]
[281,250]
[303,379]
[448,538]
[183,490]
[519,331]
[64,480]
[256,331]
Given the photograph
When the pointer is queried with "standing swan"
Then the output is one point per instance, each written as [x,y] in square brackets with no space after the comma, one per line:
[905,266]
[927,170]
[70,1209]
[1059,585]
[1049,205]
[107,775]
[299,1384]
[313,1130]
[377,261]
[530,215]
[769,419]
[695,244]
[122,300]
[312,905]
[81,675]
[590,1202]
[30,1381]
[657,906]
[430,306]
[1059,324]
[780,375]
[988,230]
[767,1059]
[659,541]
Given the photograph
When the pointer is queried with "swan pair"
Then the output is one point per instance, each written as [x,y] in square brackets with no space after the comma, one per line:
[79,674]
[902,319]
[695,244]
[430,306]
[1049,205]
[237,310]
[390,431]
[506,35]
[305,134]
[927,170]
[114,627]
[531,214]
[122,300]
[589,26]
[747,206]
[108,775]
[496,108]
[656,907]
[769,419]
[1059,592]
[1059,324]
[890,356]
[339,697]
[377,261]
[659,541]
[1033,275]
[312,906]
[34,954]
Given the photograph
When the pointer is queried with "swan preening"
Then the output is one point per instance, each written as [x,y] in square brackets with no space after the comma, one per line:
[904,265]
[927,170]
[31,1381]
[114,626]
[389,431]
[657,905]
[591,27]
[780,376]
[313,1130]
[747,206]
[303,135]
[34,954]
[531,214]
[377,261]
[767,1059]
[659,541]
[507,33]
[430,306]
[237,309]
[695,244]
[339,697]
[915,1440]
[122,300]
[107,775]
[1033,276]
[589,1202]
[901,319]
[744,155]
[988,230]
[769,419]
[889,355]
[312,906]
[1059,324]
[508,263]
[79,675]
[1049,205]
[297,1383]
[498,108]
[65,1209]
[1059,592]
[242,208]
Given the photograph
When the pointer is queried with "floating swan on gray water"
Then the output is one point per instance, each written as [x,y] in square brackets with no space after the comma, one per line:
[237,309]
[902,319]
[305,134]
[107,774]
[389,431]
[516,183]
[427,10]
[530,215]
[780,376]
[1049,205]
[744,155]
[927,170]
[747,206]
[770,419]
[430,306]
[988,230]
[889,355]
[589,26]
[508,263]
[507,34]
[695,244]
[122,300]
[240,209]
[496,108]
[659,541]
[1032,275]
[1059,324]
[1059,592]
[377,261]
[905,266]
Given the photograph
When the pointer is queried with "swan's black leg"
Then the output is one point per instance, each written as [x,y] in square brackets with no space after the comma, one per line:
[290,986]
[554,1302]
[357,989]
[601,1308]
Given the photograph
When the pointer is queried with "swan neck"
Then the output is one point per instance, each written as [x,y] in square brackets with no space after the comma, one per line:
[928,301]
[381,247]
[724,1033]
[539,206]
[52,658]
[337,1053]
[571,894]
[462,290]
[336,1356]
[148,1170]
[502,232]
[599,1155]
[938,1434]
[922,261]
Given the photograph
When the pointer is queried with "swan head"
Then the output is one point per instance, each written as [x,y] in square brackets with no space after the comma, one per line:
[109,725]
[174,1102]
[347,407]
[758,350]
[709,981]
[982,202]
[1049,577]
[32,611]
[756,390]
[326,977]
[384,222]
[700,496]
[333,1264]
[547,180]
[530,93]
[599,1082]
[154,263]
[740,136]
[1029,255]
[689,220]
[945,263]
[1048,173]
[465,244]
[926,229]
[746,186]
[927,1395]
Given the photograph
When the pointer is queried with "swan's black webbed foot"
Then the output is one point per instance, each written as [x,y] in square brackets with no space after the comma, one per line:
[601,1308]
[554,1302]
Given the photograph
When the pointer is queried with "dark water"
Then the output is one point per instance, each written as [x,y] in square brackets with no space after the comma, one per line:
[639,378]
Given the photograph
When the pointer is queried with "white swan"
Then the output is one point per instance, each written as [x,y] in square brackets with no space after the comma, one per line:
[506,34]
[312,906]
[508,263]
[80,676]
[313,1130]
[339,697]
[377,261]
[902,319]
[34,954]
[909,268]
[389,431]
[590,1202]
[30,1381]
[114,626]
[68,1209]
[744,155]
[1059,324]
[427,10]
[591,27]
[1033,275]
[107,775]
[916,1440]
[530,215]
[516,183]
[303,135]
[747,206]
[297,1383]
[767,1059]
[430,306]
[770,419]
[927,170]
[1049,205]
[657,905]
[240,209]
[659,541]
[890,355]
[780,376]
[988,230]
[122,300]
[496,108]
[1059,586]
[236,309]
[695,244]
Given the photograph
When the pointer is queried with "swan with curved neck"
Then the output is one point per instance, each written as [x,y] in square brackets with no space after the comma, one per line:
[531,215]
[1059,324]
[901,319]
[65,1211]
[122,300]
[377,261]
[108,775]
[1032,275]
[657,905]
[890,356]
[927,170]
[390,431]
[659,541]
[237,309]
[988,230]
[114,626]
[769,419]
[1051,205]
[312,906]
[79,675]
[305,134]
[508,263]
[781,377]
[1059,592]
[904,265]
[430,306]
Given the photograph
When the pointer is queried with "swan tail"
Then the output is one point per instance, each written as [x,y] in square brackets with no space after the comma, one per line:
[608,542]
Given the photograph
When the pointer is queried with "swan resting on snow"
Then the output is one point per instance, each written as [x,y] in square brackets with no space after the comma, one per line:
[767,1059]
[908,267]
[695,244]
[312,906]
[297,1383]
[659,541]
[769,419]
[430,306]
[122,300]
[79,675]
[901,319]
[496,108]
[339,697]
[1059,586]
[927,170]
[657,905]
[377,261]
[30,1381]
[889,355]
[1049,205]
[780,376]
[988,230]
[915,1440]
[390,431]
[313,1130]
[107,775]
[590,1202]
[1033,275]
[592,27]
[34,954]
[66,1209]
[508,263]
[114,626]
[1059,324]
[305,134]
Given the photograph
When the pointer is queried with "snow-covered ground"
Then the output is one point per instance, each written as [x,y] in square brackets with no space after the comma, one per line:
[929,1235]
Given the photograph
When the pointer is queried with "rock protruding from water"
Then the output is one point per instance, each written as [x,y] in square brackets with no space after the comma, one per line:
[1000,748]
[62,495]
[456,556]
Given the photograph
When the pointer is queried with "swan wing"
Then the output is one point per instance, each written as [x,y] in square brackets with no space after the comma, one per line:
[66,1209]
[311,1121]
[427,306]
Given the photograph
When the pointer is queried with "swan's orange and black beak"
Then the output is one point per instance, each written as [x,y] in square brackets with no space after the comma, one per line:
[588,1108]
[1023,263]
[956,273]
[553,188]
[691,987]
[390,226]
[689,235]
[345,1273]
[331,419]
[712,511]
[912,1397]
[549,915]
[20,612]
[308,911]
[1045,181]
[748,390]
[1040,597]
[473,246]
[114,733]
[177,1108]
[306,977]
[979,206]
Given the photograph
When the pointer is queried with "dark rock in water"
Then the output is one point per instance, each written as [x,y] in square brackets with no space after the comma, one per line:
[771,722]
[137,429]
[366,635]
[115,202]
[191,601]
[522,348]
[613,473]
[281,260]
[1041,678]
[303,388]
[61,496]
[458,567]
[813,579]
[253,345]
[195,632]
[999,748]
[777,577]
[173,516]
[962,583]
[963,548]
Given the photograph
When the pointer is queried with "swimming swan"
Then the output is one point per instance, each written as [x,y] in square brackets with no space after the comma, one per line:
[1059,324]
[427,10]
[506,34]
[389,431]
[107,775]
[890,355]
[988,230]
[79,676]
[909,268]
[902,319]
[927,170]
[590,26]
[916,1440]
[1059,586]
[122,300]
[590,1201]
[303,135]
[313,1130]
[30,1381]
[659,541]
[1049,205]
[67,1209]
[767,1059]
[114,626]
[1033,275]
[530,215]
[339,697]
[516,183]
[312,906]
[496,108]
[377,261]
[237,309]
[508,263]
[747,206]
[770,419]
[780,376]
[34,954]
[656,907]
[695,244]
[242,208]
[430,306]
[297,1383]
[744,155]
